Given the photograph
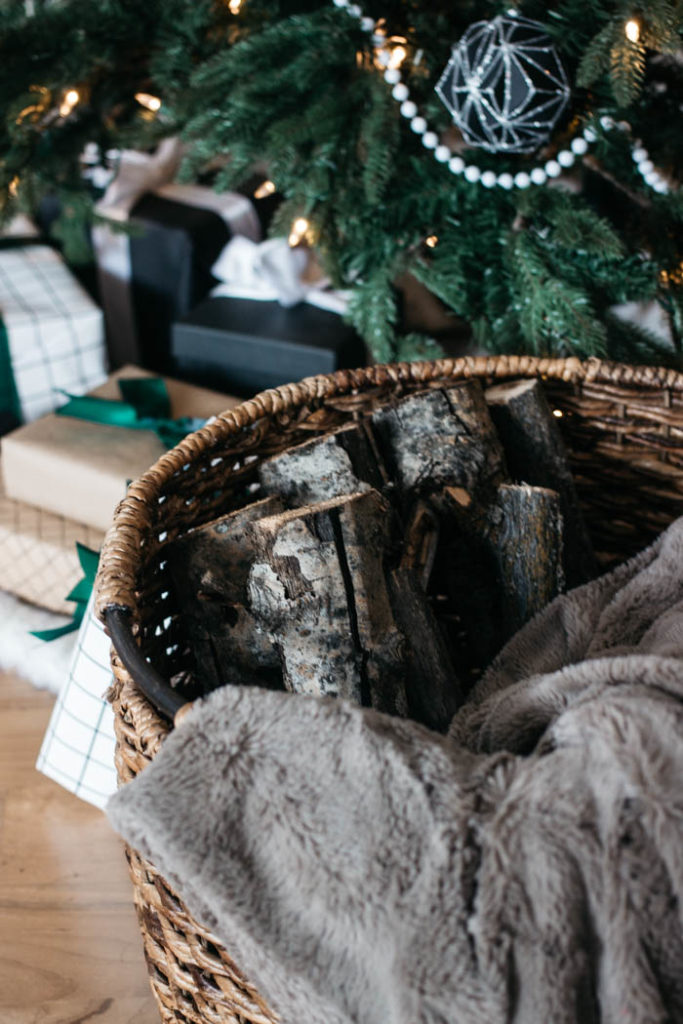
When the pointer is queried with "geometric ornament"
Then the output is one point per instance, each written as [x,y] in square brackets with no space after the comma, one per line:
[505,85]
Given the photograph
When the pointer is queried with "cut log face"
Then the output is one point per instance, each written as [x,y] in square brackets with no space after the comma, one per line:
[343,462]
[536,455]
[209,569]
[440,439]
[318,587]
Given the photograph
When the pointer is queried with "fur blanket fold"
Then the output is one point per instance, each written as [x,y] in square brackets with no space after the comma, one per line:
[527,868]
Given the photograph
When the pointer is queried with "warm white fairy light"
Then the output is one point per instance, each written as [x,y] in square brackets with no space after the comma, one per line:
[298,231]
[432,241]
[152,103]
[632,30]
[397,55]
[234,6]
[71,98]
[266,188]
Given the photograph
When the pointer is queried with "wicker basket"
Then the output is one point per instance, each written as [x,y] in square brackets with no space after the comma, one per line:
[624,430]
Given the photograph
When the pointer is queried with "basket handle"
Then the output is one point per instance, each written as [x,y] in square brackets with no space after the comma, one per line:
[161,695]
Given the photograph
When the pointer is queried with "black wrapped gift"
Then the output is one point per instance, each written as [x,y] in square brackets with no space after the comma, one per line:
[160,268]
[247,345]
[171,256]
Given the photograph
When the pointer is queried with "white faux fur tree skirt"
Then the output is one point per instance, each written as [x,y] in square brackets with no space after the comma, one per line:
[46,665]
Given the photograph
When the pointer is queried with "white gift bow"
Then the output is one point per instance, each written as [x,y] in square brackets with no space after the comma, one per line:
[271,270]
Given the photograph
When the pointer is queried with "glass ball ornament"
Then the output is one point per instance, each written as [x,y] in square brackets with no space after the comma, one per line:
[505,85]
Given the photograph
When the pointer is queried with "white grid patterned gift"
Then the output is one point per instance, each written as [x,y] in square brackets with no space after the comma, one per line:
[78,747]
[55,331]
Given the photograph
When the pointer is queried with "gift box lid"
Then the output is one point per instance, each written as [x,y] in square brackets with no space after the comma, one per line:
[250,344]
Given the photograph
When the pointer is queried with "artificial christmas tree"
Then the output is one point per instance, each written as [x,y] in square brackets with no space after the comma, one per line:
[551,200]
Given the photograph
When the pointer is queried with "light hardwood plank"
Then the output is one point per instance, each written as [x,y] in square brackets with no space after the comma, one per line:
[70,951]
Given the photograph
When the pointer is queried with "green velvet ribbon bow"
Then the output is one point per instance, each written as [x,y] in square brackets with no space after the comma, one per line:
[80,594]
[145,406]
[9,399]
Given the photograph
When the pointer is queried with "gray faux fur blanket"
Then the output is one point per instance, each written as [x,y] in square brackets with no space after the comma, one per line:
[526,868]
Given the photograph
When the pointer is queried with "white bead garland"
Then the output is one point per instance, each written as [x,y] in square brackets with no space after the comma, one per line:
[565,159]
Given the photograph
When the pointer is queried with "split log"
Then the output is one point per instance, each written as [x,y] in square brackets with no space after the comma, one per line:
[439,439]
[536,455]
[526,536]
[209,569]
[499,569]
[343,462]
[318,588]
[433,691]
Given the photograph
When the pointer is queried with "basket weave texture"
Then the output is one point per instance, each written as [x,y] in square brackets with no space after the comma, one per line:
[623,427]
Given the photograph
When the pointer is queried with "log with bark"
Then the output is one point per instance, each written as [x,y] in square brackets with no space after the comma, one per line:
[318,587]
[499,567]
[536,454]
[345,461]
[438,439]
[209,570]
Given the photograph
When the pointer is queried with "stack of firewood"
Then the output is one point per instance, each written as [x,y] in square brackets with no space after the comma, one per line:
[389,561]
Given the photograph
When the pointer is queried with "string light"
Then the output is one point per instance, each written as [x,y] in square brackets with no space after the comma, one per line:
[234,6]
[390,52]
[71,98]
[431,241]
[298,232]
[13,186]
[397,54]
[266,188]
[152,103]
[558,413]
[671,277]
[632,30]
[35,109]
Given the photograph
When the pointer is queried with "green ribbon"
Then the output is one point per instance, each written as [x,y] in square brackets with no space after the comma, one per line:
[145,406]
[9,398]
[80,594]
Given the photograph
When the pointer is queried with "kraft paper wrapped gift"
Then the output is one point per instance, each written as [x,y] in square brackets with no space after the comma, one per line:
[38,559]
[80,469]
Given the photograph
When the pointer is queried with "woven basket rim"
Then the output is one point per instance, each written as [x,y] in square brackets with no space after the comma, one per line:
[115,588]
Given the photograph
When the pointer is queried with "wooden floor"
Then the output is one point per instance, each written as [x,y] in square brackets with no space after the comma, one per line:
[70,951]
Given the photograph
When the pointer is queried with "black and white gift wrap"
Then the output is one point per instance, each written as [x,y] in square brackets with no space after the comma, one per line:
[55,332]
[159,268]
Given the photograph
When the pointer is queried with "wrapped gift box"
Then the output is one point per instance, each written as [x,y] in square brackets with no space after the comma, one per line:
[78,747]
[158,271]
[55,332]
[80,469]
[38,559]
[247,345]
